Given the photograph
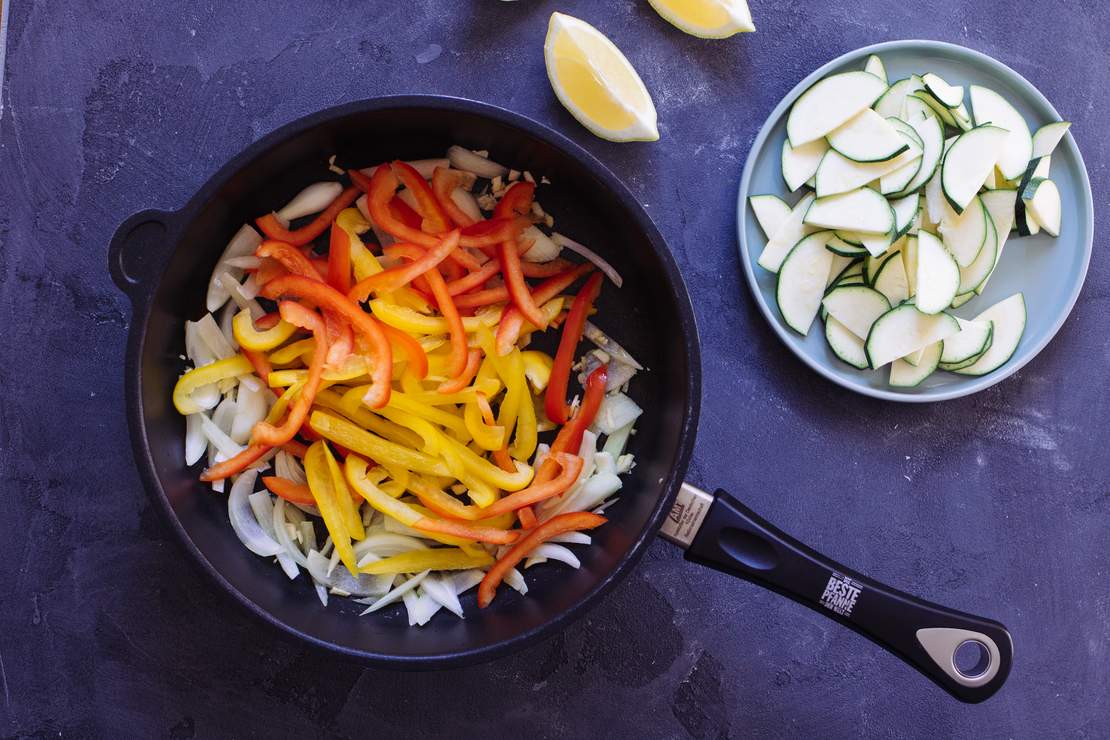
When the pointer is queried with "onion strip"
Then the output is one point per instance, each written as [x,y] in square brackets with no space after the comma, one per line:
[592,256]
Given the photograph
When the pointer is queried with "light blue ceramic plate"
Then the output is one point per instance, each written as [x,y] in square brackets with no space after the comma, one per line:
[1049,271]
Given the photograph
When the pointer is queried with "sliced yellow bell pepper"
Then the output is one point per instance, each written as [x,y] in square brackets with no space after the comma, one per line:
[413,322]
[488,472]
[206,375]
[485,436]
[525,439]
[355,469]
[242,326]
[362,416]
[355,438]
[351,518]
[321,485]
[439,558]
[354,368]
[363,262]
[537,368]
[302,348]
[490,386]
[428,433]
[446,419]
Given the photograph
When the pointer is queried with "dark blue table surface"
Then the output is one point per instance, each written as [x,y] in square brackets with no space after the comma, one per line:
[997,504]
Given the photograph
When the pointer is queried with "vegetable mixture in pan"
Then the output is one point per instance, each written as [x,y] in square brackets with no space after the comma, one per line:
[363,385]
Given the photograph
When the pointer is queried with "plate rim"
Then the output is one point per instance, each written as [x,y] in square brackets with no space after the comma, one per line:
[959,390]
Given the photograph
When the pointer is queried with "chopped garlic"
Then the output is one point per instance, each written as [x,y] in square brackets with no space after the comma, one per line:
[514,175]
[528,177]
[333,168]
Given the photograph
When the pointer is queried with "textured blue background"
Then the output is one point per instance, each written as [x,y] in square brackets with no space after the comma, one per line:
[998,504]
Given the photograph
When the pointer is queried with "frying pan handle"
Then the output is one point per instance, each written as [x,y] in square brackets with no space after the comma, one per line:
[139,248]
[734,539]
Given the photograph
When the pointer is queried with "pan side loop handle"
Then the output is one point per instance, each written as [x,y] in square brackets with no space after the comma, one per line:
[139,248]
[968,656]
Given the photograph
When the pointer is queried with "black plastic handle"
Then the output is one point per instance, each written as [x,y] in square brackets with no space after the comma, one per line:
[734,539]
[139,249]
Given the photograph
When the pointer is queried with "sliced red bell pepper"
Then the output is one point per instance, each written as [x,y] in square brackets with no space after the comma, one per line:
[483,297]
[508,329]
[435,219]
[488,234]
[339,259]
[545,269]
[556,525]
[405,213]
[517,287]
[414,353]
[555,400]
[469,531]
[475,279]
[268,270]
[517,200]
[459,382]
[444,182]
[294,493]
[396,277]
[380,190]
[325,296]
[291,258]
[341,340]
[273,228]
[259,361]
[456,360]
[235,465]
[571,466]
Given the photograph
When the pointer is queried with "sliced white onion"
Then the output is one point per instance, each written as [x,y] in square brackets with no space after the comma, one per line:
[396,593]
[243,520]
[607,343]
[340,578]
[207,396]
[572,538]
[392,525]
[464,159]
[596,490]
[516,581]
[592,256]
[263,507]
[601,509]
[421,607]
[227,315]
[465,580]
[281,533]
[442,589]
[250,408]
[605,463]
[208,331]
[223,443]
[617,410]
[321,593]
[195,348]
[549,551]
[195,441]
[543,248]
[619,374]
[467,203]
[384,545]
[287,466]
[625,463]
[245,241]
[250,262]
[313,199]
[618,440]
[224,415]
[250,289]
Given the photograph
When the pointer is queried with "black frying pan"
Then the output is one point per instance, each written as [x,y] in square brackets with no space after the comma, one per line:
[162,260]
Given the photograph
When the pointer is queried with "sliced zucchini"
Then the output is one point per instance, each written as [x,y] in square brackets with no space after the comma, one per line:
[770,211]
[909,262]
[837,268]
[915,109]
[858,210]
[905,211]
[844,344]
[1041,199]
[891,101]
[891,279]
[965,234]
[1024,221]
[973,275]
[868,137]
[875,66]
[1000,205]
[799,164]
[829,103]
[801,283]
[914,357]
[856,307]
[1047,137]
[788,234]
[877,244]
[839,246]
[905,375]
[838,174]
[969,161]
[950,96]
[1008,318]
[990,107]
[938,108]
[938,275]
[931,133]
[1040,169]
[962,118]
[971,341]
[904,329]
[961,299]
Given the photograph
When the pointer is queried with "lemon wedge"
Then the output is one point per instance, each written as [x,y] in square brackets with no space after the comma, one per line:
[707,19]
[596,83]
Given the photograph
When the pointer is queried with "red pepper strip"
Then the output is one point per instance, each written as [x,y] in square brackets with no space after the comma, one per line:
[526,517]
[295,448]
[459,382]
[397,277]
[294,493]
[291,258]
[508,329]
[339,259]
[517,200]
[533,494]
[235,465]
[405,213]
[414,353]
[451,270]
[259,361]
[486,297]
[474,279]
[569,438]
[469,531]
[555,401]
[435,219]
[325,296]
[490,233]
[341,340]
[380,190]
[517,287]
[456,360]
[268,321]
[268,270]
[273,228]
[544,269]
[556,525]
[266,433]
[444,182]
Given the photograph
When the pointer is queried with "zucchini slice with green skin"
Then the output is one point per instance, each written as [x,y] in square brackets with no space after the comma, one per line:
[965,235]
[950,96]
[902,330]
[1000,204]
[938,276]
[876,67]
[891,101]
[839,246]
[829,103]
[968,162]
[905,211]
[837,267]
[990,107]
[1008,317]
[1047,137]
[787,236]
[1041,165]
[891,279]
[975,274]
[909,261]
[867,137]
[939,109]
[856,307]
[931,133]
[961,299]
[1041,199]
[770,211]
[971,341]
[799,164]
[801,283]
[837,174]
[844,344]
[863,210]
[905,375]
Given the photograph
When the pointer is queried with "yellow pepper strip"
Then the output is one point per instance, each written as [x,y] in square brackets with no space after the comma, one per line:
[501,521]
[323,491]
[410,383]
[413,322]
[446,419]
[439,558]
[355,470]
[348,435]
[242,326]
[490,386]
[537,368]
[525,440]
[486,437]
[362,416]
[206,375]
[409,298]
[515,384]
[277,411]
[352,520]
[290,352]
[488,472]
[428,433]
[354,368]
[365,264]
